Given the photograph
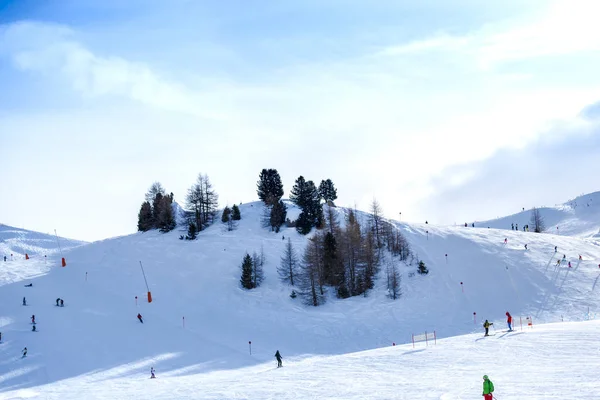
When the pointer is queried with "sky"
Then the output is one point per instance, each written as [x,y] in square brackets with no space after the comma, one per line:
[447,111]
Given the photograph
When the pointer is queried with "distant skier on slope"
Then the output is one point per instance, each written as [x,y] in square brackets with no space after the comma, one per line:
[525,246]
[569,264]
[278,357]
[512,227]
[139,316]
[555,249]
[30,285]
[152,373]
[33,328]
[24,301]
[580,258]
[516,227]
[487,325]
[505,240]
[62,303]
[33,319]
[509,321]
[558,262]
[57,301]
[488,388]
[564,256]
[24,351]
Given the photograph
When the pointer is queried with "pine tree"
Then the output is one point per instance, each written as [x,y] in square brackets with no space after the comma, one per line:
[288,269]
[166,220]
[226,215]
[192,231]
[394,280]
[269,187]
[247,268]
[306,196]
[145,221]
[203,201]
[332,273]
[422,268]
[303,223]
[376,221]
[277,215]
[235,213]
[298,194]
[327,191]
[155,189]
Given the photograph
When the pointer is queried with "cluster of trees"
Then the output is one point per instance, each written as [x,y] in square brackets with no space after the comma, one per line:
[202,202]
[156,211]
[345,259]
[230,217]
[252,270]
[306,196]
[270,192]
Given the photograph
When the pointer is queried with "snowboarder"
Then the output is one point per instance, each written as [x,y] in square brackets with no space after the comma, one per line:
[487,325]
[33,328]
[278,357]
[30,285]
[152,373]
[24,301]
[525,246]
[488,388]
[139,316]
[33,319]
[62,303]
[57,301]
[509,321]
[24,351]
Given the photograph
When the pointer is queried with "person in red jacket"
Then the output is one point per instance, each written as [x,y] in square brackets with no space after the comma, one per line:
[140,318]
[509,321]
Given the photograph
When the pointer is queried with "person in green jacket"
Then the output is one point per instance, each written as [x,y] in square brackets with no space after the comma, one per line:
[488,388]
[487,325]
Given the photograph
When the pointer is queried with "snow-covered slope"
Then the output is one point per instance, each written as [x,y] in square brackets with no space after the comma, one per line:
[577,217]
[96,336]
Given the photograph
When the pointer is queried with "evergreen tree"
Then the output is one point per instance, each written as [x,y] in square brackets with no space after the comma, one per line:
[303,223]
[192,231]
[422,268]
[155,189]
[298,194]
[288,269]
[145,220]
[327,191]
[394,280]
[332,271]
[269,187]
[277,215]
[247,268]
[166,220]
[226,215]
[235,213]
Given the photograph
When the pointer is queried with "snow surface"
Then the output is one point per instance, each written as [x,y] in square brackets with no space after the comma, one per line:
[94,347]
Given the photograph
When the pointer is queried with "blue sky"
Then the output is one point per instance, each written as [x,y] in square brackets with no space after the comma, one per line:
[418,105]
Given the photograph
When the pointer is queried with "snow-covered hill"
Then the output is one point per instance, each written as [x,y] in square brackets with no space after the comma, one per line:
[201,322]
[577,217]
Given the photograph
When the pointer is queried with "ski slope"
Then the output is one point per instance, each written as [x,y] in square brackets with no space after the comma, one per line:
[198,327]
[578,217]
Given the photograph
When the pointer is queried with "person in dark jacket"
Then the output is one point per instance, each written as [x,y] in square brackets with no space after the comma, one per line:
[57,301]
[487,325]
[139,316]
[24,351]
[62,303]
[24,301]
[278,357]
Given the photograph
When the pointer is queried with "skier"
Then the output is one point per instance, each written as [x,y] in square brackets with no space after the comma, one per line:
[466,225]
[558,262]
[525,246]
[487,325]
[509,321]
[505,240]
[516,227]
[33,328]
[24,301]
[569,264]
[139,316]
[473,225]
[512,227]
[0,337]
[24,351]
[62,303]
[555,249]
[57,301]
[152,373]
[278,357]
[564,256]
[580,257]
[488,388]
[426,223]
[30,285]
[33,319]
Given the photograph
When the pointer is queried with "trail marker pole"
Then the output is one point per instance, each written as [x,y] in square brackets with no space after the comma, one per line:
[475,318]
[64,263]
[86,276]
[446,258]
[45,259]
[250,346]
[461,287]
[145,280]
[183,322]
[427,232]
[136,301]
